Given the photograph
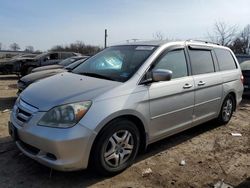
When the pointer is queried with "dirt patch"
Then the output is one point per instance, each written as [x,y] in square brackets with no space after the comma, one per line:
[210,152]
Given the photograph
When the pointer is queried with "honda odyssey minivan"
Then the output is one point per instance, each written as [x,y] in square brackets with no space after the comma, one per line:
[123,99]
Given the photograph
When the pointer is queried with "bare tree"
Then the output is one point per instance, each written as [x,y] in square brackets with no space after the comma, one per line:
[78,47]
[29,49]
[241,44]
[158,35]
[238,46]
[223,33]
[58,48]
[14,47]
[245,37]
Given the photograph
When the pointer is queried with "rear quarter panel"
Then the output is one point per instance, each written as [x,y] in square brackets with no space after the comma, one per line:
[232,83]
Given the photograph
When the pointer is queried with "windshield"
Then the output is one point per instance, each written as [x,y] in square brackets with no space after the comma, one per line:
[75,64]
[67,61]
[117,63]
[40,55]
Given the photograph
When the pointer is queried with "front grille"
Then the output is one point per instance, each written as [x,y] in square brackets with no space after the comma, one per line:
[24,111]
[22,115]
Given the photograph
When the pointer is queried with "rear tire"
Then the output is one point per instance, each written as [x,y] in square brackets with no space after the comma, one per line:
[226,110]
[116,147]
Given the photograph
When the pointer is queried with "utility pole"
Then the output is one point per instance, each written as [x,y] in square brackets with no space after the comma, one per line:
[105,38]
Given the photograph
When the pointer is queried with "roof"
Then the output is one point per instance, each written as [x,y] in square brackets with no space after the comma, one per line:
[146,43]
[164,42]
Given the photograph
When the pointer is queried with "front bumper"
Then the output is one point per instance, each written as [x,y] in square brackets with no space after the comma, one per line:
[60,149]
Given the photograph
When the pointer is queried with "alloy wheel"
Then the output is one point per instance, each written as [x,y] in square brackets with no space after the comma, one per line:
[119,148]
[227,109]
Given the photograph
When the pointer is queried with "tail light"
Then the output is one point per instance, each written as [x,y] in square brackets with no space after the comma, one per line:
[242,79]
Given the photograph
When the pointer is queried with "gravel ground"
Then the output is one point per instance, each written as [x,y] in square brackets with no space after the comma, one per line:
[210,152]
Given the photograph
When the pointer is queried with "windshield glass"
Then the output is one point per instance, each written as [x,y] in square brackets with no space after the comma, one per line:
[67,61]
[75,64]
[117,63]
[40,55]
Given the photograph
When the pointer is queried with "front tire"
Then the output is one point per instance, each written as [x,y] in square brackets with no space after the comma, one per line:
[226,110]
[116,147]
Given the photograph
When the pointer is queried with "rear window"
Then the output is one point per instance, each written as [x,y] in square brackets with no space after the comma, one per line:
[225,59]
[201,61]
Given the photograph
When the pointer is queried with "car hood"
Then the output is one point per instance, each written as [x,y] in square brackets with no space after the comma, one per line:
[65,88]
[32,77]
[48,67]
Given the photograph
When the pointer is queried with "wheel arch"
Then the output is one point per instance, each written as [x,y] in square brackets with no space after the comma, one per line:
[133,118]
[233,94]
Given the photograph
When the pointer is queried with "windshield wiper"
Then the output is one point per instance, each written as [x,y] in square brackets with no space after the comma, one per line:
[96,75]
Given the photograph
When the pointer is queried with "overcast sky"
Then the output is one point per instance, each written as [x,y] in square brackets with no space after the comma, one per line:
[46,23]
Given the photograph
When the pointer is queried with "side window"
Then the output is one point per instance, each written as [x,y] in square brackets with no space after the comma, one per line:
[225,59]
[174,61]
[201,61]
[53,56]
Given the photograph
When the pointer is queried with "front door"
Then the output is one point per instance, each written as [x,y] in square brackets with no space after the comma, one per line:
[171,102]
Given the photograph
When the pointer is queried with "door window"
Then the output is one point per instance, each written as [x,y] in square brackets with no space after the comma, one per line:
[174,61]
[201,61]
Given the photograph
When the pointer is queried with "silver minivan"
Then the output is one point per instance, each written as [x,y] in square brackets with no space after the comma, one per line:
[123,99]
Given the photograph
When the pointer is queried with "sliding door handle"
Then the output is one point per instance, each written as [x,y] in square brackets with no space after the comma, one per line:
[187,86]
[201,83]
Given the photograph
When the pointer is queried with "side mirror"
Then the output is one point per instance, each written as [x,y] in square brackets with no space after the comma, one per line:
[161,75]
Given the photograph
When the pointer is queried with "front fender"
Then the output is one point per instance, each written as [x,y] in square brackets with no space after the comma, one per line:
[128,112]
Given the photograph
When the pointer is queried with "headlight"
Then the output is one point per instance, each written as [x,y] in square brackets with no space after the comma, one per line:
[66,115]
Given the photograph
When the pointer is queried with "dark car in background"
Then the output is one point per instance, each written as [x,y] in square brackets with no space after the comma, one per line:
[60,65]
[36,76]
[44,59]
[245,68]
[25,65]
[242,57]
[9,65]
